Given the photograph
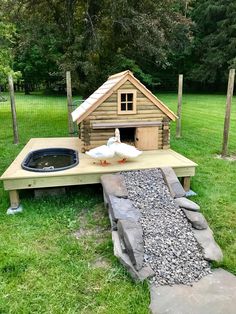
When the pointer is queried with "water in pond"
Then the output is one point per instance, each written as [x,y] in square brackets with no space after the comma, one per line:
[51,161]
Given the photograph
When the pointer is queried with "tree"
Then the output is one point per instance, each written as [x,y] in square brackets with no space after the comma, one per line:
[94,38]
[214,46]
[6,31]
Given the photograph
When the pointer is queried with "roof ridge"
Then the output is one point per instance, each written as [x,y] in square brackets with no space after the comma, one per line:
[123,73]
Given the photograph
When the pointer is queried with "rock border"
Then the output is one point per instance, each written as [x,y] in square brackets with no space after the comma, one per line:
[201,230]
[128,244]
[127,234]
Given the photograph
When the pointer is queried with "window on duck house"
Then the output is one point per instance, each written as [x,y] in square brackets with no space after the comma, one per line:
[127,101]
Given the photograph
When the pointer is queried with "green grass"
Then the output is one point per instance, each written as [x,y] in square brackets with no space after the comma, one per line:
[37,115]
[203,119]
[45,269]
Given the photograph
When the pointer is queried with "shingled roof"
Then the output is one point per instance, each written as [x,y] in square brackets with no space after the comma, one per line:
[106,89]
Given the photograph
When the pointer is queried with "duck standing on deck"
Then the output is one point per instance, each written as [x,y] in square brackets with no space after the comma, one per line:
[104,152]
[123,150]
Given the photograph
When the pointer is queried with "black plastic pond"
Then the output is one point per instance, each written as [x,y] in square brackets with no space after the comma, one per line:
[50,159]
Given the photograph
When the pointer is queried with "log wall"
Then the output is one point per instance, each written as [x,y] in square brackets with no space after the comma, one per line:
[108,112]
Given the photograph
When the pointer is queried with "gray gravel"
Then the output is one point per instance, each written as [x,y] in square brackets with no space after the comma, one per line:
[169,244]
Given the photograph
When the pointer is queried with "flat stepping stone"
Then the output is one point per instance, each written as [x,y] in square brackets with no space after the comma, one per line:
[172,181]
[213,294]
[196,219]
[114,185]
[131,233]
[211,250]
[142,274]
[183,202]
[122,208]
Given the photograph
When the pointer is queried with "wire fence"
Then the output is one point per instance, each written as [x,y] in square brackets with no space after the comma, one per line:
[38,115]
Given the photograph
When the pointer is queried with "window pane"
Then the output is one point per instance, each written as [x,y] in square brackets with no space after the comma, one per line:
[130,106]
[123,98]
[130,97]
[123,106]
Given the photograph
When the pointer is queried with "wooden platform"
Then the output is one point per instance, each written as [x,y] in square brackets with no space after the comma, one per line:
[86,172]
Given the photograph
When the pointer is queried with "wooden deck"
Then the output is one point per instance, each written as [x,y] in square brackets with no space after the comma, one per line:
[86,172]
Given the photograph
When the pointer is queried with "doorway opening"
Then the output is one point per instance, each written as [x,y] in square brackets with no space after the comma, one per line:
[127,135]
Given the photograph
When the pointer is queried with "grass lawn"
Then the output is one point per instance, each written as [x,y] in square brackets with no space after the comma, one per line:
[44,268]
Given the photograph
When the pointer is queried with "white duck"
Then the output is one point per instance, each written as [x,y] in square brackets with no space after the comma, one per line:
[123,150]
[103,152]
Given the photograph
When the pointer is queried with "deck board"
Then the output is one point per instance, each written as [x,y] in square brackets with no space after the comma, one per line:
[86,172]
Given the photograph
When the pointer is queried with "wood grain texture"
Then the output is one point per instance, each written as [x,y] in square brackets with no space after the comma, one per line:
[14,199]
[13,110]
[69,102]
[230,92]
[146,138]
[86,172]
[111,87]
[179,109]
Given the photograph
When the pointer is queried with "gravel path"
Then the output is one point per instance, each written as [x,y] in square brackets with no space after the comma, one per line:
[170,247]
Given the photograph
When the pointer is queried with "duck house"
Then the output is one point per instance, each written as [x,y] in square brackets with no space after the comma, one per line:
[124,102]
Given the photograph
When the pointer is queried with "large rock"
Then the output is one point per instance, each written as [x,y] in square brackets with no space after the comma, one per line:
[113,223]
[175,187]
[211,249]
[106,204]
[113,184]
[122,208]
[144,273]
[131,234]
[197,219]
[213,294]
[187,204]
[49,192]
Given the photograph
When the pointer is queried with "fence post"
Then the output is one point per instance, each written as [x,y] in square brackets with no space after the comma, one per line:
[179,109]
[69,102]
[230,92]
[13,109]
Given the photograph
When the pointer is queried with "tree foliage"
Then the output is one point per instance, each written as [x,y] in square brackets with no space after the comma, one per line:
[6,31]
[93,39]
[214,46]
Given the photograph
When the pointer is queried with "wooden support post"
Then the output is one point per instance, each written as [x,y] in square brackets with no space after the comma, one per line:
[179,110]
[230,92]
[186,183]
[14,199]
[13,110]
[69,102]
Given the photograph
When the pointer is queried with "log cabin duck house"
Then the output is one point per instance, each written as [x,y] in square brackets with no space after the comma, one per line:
[124,102]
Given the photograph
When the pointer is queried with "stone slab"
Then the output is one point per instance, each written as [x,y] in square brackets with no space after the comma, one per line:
[112,222]
[47,192]
[211,250]
[113,184]
[123,257]
[105,200]
[183,202]
[122,208]
[144,273]
[196,219]
[213,294]
[175,187]
[131,234]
